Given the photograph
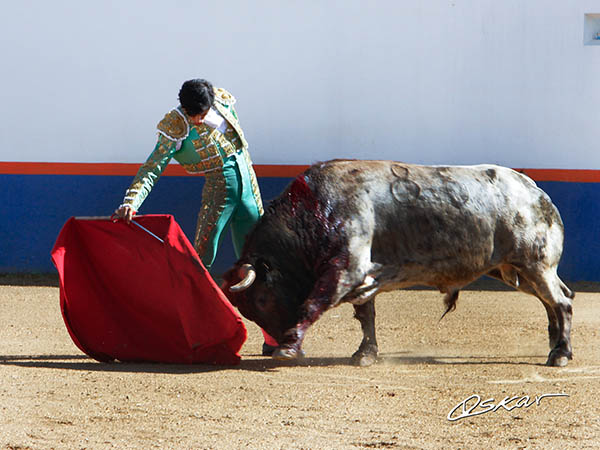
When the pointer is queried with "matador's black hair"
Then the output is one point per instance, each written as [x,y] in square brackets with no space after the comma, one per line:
[196,96]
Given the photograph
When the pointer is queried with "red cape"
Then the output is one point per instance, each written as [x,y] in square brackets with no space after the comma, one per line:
[126,295]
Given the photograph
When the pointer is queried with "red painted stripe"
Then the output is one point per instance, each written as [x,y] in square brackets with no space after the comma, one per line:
[49,168]
[262,170]
[570,175]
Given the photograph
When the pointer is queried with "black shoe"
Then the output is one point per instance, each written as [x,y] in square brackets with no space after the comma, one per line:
[267,350]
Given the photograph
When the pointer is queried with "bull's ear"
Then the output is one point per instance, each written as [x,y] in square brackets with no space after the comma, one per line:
[263,265]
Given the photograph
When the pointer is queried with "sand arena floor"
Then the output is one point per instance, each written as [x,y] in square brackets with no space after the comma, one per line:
[494,345]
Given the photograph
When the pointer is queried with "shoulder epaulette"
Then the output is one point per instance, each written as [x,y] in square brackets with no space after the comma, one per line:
[174,126]
[224,97]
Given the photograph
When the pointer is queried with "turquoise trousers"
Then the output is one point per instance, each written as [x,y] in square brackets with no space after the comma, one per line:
[227,201]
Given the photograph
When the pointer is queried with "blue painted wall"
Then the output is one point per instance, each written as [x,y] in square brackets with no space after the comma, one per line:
[578,204]
[35,207]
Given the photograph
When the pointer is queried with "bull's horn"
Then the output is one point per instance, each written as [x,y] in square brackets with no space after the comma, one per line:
[248,275]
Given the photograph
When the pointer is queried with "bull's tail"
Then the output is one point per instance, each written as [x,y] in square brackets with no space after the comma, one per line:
[450,302]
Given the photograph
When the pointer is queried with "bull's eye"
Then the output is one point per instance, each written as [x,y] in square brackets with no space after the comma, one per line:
[261,303]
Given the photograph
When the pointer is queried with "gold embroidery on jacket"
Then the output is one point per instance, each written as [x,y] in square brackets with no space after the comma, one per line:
[173,125]
[206,149]
[146,173]
[214,196]
[231,120]
[253,182]
[224,96]
[164,145]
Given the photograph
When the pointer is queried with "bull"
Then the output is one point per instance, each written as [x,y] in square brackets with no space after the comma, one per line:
[345,230]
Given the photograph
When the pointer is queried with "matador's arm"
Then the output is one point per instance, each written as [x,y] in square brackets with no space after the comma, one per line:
[173,129]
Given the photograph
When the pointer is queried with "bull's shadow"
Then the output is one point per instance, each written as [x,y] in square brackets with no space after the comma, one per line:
[405,358]
[85,363]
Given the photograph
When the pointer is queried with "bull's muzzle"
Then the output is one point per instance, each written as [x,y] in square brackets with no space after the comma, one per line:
[247,275]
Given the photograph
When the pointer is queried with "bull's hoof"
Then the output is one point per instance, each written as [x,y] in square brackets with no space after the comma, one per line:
[267,350]
[557,359]
[560,361]
[363,359]
[287,354]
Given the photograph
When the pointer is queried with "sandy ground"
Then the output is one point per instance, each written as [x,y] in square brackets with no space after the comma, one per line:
[493,345]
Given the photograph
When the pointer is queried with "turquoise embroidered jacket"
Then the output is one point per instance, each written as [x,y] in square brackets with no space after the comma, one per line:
[198,148]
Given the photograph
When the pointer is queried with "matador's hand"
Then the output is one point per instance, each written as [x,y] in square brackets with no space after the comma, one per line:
[125,212]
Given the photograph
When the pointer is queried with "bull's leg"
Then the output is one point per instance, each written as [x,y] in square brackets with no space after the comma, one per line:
[553,326]
[557,301]
[325,294]
[350,270]
[367,352]
[523,285]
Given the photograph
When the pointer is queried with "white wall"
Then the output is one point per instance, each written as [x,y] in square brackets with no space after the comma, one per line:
[430,81]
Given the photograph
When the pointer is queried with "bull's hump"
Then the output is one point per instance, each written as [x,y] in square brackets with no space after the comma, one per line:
[341,167]
[348,175]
